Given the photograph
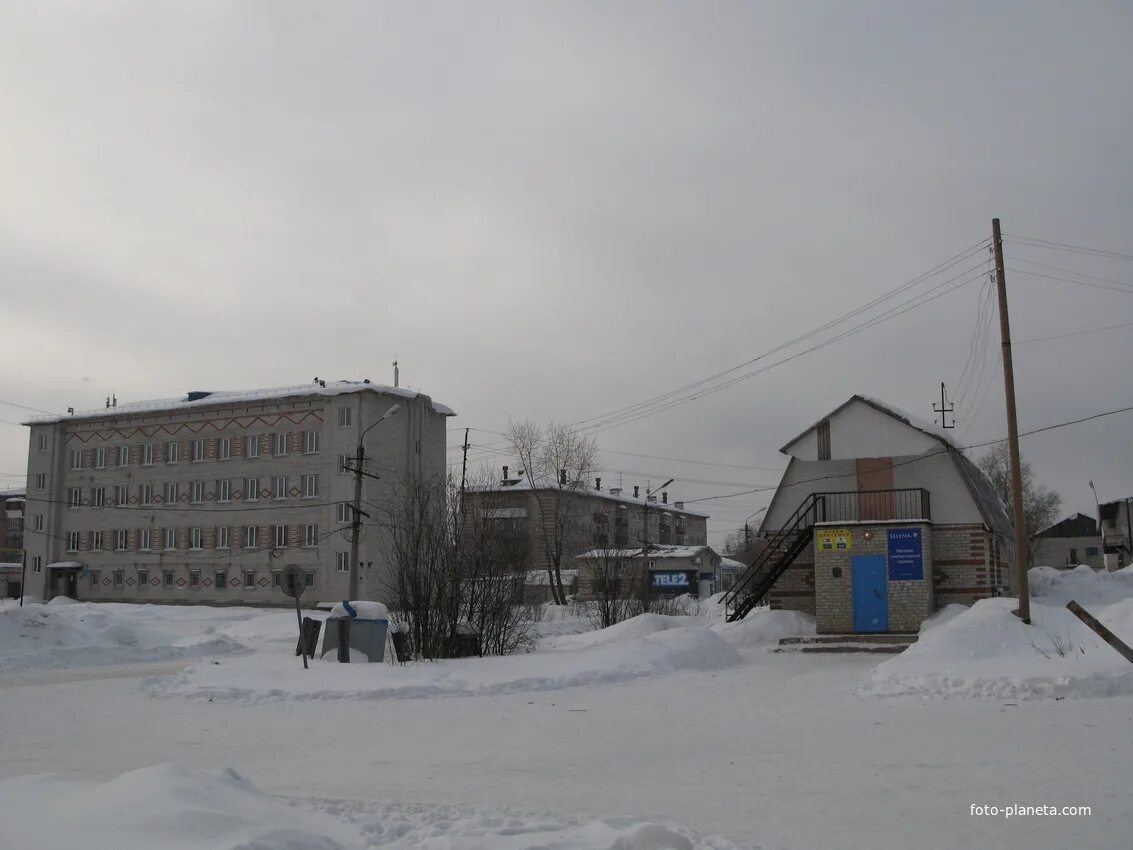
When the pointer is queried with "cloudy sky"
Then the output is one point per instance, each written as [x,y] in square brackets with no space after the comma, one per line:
[557,210]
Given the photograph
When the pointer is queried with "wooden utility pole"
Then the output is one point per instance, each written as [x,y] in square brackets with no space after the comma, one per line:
[356,520]
[464,469]
[1024,610]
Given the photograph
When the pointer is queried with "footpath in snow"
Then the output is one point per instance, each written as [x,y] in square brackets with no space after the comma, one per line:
[985,651]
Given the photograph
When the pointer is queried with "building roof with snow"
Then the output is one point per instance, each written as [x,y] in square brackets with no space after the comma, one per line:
[204,399]
[656,551]
[522,482]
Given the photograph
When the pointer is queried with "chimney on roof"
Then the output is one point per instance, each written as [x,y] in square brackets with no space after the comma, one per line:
[114,401]
[636,488]
[108,402]
[396,374]
[505,472]
[665,497]
[562,477]
[597,483]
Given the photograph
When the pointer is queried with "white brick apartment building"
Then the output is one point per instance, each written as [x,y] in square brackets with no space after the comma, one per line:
[205,498]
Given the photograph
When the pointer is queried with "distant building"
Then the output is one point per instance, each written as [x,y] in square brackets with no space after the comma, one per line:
[879,520]
[207,497]
[1069,543]
[1117,531]
[673,570]
[12,524]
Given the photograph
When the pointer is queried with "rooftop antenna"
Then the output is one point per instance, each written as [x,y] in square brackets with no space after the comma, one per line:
[113,399]
[944,408]
[396,372]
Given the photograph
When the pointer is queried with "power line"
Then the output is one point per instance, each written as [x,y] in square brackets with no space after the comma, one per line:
[1065,246]
[25,407]
[1068,271]
[1127,290]
[1073,333]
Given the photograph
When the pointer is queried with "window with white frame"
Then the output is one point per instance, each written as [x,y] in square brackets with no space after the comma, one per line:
[147,454]
[250,537]
[279,487]
[198,450]
[121,539]
[279,536]
[310,535]
[37,563]
[249,578]
[342,562]
[308,579]
[196,492]
[143,579]
[222,579]
[310,442]
[121,495]
[100,458]
[75,497]
[76,458]
[345,512]
[252,490]
[310,486]
[144,541]
[172,492]
[196,538]
[41,481]
[194,578]
[222,541]
[343,464]
[123,455]
[96,541]
[98,497]
[224,490]
[37,524]
[119,578]
[72,541]
[167,578]
[279,443]
[224,448]
[145,494]
[171,538]
[252,445]
[344,417]
[43,442]
[173,452]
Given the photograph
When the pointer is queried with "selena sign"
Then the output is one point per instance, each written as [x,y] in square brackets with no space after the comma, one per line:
[906,554]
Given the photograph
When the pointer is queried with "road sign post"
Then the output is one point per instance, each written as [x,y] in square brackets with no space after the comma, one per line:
[293,581]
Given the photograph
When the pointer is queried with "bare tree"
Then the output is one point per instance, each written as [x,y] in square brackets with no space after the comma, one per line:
[1040,505]
[558,462]
[613,581]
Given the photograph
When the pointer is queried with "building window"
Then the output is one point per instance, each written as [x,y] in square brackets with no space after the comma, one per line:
[171,538]
[310,486]
[37,524]
[98,497]
[279,536]
[100,458]
[249,578]
[194,578]
[343,464]
[1091,551]
[224,448]
[75,499]
[1073,557]
[96,541]
[279,445]
[279,487]
[123,455]
[172,492]
[252,490]
[43,442]
[196,492]
[36,564]
[121,539]
[252,446]
[224,491]
[41,481]
[172,452]
[310,535]
[143,579]
[121,495]
[250,537]
[144,539]
[76,458]
[147,454]
[222,579]
[344,512]
[222,537]
[119,578]
[72,541]
[310,442]
[824,440]
[145,494]
[275,578]
[344,414]
[308,579]
[197,449]
[95,578]
[196,538]
[342,562]
[167,578]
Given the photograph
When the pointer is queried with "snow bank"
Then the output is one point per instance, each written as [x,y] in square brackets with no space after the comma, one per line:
[986,651]
[173,808]
[265,678]
[1084,585]
[764,626]
[643,625]
[79,634]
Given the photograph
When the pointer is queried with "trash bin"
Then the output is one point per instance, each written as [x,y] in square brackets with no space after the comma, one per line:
[401,647]
[464,644]
[365,632]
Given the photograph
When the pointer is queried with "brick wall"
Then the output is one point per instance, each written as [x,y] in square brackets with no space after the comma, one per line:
[965,566]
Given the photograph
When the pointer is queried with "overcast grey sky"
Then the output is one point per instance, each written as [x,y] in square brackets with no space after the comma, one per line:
[553,210]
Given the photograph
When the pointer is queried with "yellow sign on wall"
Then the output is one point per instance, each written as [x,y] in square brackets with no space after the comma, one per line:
[834,539]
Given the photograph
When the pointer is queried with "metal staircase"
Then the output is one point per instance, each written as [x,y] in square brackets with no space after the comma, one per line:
[772,562]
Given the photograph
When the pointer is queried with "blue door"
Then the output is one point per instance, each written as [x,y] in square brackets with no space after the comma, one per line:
[870,594]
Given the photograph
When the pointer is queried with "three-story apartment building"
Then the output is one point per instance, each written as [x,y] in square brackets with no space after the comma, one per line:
[207,497]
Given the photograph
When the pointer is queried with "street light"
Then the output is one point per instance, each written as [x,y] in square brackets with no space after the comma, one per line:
[747,530]
[356,514]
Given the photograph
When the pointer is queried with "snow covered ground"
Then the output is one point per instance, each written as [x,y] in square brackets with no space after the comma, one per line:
[662,732]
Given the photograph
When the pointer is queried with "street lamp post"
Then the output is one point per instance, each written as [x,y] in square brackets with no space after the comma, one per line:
[356,513]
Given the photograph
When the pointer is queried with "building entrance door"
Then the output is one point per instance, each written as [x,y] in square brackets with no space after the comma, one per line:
[870,593]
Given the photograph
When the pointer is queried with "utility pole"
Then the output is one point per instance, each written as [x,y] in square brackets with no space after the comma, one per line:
[356,520]
[1024,610]
[464,469]
[645,544]
[944,409]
